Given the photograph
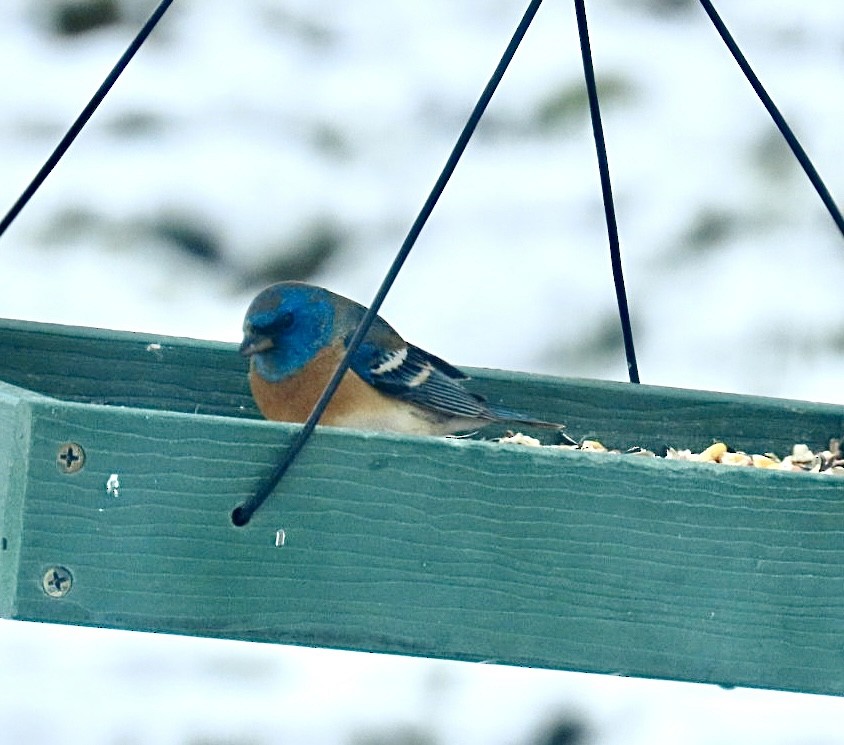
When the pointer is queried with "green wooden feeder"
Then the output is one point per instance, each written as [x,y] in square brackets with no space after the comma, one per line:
[122,456]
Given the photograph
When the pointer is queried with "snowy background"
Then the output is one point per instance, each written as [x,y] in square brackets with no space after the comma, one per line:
[264,139]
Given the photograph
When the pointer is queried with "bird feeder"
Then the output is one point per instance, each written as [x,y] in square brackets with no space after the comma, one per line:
[123,455]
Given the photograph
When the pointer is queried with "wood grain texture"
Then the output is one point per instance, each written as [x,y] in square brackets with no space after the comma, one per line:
[445,548]
[122,368]
[176,374]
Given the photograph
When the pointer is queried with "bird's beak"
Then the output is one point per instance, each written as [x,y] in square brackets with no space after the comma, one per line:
[254,343]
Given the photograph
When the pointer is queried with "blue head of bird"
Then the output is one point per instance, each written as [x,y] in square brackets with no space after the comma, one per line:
[285,326]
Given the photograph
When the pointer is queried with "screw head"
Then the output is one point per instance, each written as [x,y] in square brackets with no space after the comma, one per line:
[57,581]
[70,457]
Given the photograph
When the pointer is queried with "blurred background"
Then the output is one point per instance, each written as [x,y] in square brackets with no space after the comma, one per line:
[276,139]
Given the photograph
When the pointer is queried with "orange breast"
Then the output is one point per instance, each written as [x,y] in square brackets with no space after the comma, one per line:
[355,404]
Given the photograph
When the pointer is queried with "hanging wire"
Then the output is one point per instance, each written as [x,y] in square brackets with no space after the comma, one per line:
[606,191]
[83,118]
[243,513]
[786,131]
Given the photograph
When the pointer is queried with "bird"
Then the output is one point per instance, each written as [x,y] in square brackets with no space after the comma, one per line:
[295,335]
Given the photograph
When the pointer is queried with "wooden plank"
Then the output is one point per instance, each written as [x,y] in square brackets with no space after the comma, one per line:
[15,409]
[622,415]
[444,548]
[177,374]
[122,368]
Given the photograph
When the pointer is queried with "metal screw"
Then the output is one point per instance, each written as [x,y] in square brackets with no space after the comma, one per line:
[280,537]
[70,457]
[57,581]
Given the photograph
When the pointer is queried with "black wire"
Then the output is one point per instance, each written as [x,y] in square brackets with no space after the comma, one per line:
[83,118]
[242,514]
[786,131]
[606,190]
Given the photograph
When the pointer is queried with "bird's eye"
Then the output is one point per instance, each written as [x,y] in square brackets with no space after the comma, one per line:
[285,321]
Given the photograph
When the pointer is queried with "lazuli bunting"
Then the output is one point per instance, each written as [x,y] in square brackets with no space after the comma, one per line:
[295,335]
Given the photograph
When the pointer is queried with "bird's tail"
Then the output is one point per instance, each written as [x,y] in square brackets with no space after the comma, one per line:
[505,415]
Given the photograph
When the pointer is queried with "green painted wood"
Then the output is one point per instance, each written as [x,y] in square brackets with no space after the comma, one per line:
[15,414]
[124,369]
[174,374]
[460,549]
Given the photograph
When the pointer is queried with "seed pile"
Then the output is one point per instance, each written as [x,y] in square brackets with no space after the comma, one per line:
[802,458]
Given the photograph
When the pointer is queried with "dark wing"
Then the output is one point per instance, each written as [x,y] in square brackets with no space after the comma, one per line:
[388,363]
[412,374]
